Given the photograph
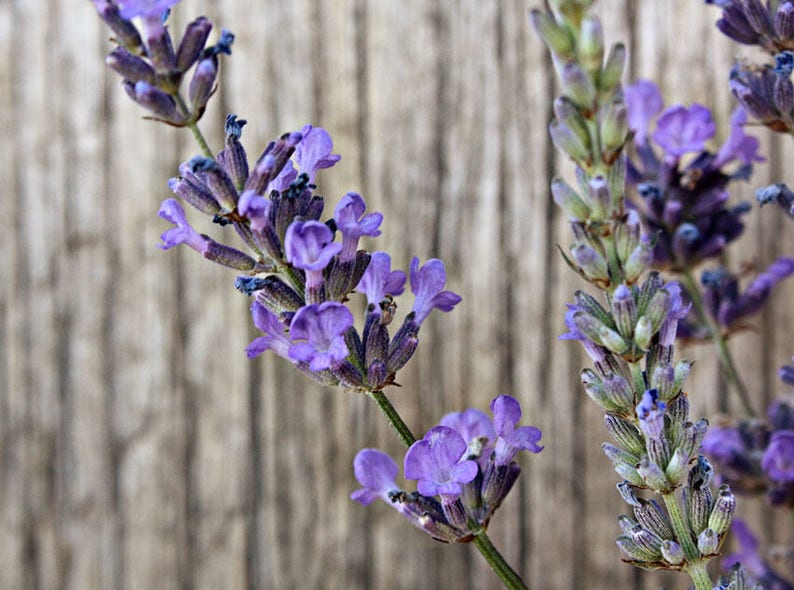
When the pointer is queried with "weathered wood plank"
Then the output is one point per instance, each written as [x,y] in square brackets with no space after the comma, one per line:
[140,449]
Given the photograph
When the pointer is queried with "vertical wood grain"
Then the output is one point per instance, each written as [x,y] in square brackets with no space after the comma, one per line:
[140,449]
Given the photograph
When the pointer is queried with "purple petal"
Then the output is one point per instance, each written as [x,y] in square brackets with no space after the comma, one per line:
[376,472]
[427,283]
[318,334]
[643,103]
[172,211]
[131,8]
[314,151]
[433,462]
[275,337]
[309,245]
[256,208]
[739,145]
[379,280]
[506,413]
[681,130]
[778,459]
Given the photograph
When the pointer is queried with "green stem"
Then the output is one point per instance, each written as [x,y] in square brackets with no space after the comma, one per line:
[509,577]
[719,341]
[697,571]
[394,419]
[682,532]
[193,126]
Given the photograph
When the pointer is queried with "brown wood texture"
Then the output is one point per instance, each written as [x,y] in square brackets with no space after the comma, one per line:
[140,449]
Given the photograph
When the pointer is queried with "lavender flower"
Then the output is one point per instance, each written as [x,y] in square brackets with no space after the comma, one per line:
[778,458]
[779,194]
[275,331]
[132,8]
[351,221]
[182,233]
[467,461]
[435,462]
[650,412]
[379,281]
[318,335]
[427,284]
[750,22]
[683,203]
[314,152]
[727,305]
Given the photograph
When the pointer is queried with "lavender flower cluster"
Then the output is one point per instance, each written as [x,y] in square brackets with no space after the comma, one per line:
[299,275]
[464,469]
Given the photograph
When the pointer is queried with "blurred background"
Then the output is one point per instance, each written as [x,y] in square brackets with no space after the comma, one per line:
[140,449]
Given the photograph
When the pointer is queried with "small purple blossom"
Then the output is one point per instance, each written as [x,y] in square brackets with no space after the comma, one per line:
[677,310]
[650,412]
[427,283]
[275,331]
[643,103]
[477,430]
[379,280]
[777,193]
[313,153]
[351,221]
[506,414]
[435,462]
[681,130]
[723,443]
[146,8]
[309,245]
[376,472]
[318,335]
[256,208]
[778,459]
[172,211]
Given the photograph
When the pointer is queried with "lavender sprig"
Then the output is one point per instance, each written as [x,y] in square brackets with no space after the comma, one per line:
[629,333]
[300,277]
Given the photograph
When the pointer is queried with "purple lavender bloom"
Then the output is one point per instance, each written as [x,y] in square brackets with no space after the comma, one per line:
[723,443]
[739,146]
[256,208]
[351,221]
[309,245]
[427,283]
[643,103]
[172,211]
[275,331]
[681,130]
[435,462]
[318,335]
[677,311]
[778,459]
[733,306]
[650,412]
[146,8]
[281,182]
[379,281]
[376,472]
[477,430]
[506,414]
[313,153]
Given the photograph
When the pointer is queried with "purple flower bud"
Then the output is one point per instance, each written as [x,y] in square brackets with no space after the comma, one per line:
[348,217]
[233,158]
[183,233]
[275,331]
[129,66]
[155,100]
[203,84]
[427,283]
[318,333]
[681,130]
[778,459]
[313,153]
[650,412]
[757,292]
[192,43]
[272,161]
[379,281]
[216,179]
[778,193]
[194,191]
[376,472]
[435,462]
[506,414]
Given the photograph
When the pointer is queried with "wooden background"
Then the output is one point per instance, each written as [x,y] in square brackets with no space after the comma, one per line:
[140,449]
